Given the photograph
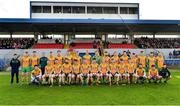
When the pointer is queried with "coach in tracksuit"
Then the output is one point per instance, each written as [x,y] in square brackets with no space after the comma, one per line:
[15,64]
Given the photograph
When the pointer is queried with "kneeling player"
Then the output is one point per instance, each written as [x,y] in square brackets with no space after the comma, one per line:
[36,75]
[56,72]
[140,74]
[153,74]
[164,74]
[47,75]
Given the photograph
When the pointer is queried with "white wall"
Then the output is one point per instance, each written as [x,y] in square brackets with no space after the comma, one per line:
[8,53]
[149,9]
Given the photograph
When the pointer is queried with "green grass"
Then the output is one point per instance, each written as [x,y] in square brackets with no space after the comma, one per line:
[147,94]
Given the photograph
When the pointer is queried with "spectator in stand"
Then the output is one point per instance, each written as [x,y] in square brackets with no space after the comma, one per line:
[16,43]
[157,42]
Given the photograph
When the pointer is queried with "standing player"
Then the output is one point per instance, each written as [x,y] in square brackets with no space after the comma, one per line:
[59,57]
[160,61]
[140,74]
[115,57]
[51,58]
[87,57]
[150,60]
[43,62]
[34,60]
[25,61]
[48,71]
[124,58]
[134,60]
[142,59]
[85,71]
[153,74]
[56,72]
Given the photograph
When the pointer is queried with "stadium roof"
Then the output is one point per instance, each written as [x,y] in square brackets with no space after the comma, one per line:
[89,25]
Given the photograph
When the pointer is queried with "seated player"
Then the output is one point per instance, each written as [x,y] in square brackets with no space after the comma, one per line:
[94,70]
[123,71]
[104,67]
[36,75]
[164,74]
[76,71]
[61,78]
[114,71]
[56,72]
[47,75]
[66,67]
[153,74]
[140,74]
[130,70]
[85,71]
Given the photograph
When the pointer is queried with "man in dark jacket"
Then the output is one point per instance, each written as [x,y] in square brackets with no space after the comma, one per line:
[15,64]
[43,63]
[164,73]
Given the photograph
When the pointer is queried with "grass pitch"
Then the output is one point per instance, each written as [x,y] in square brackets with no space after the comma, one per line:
[136,94]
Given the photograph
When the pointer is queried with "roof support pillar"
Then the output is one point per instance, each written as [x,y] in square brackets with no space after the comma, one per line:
[154,35]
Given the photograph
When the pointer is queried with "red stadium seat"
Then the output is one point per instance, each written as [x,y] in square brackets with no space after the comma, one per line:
[116,45]
[82,45]
[48,46]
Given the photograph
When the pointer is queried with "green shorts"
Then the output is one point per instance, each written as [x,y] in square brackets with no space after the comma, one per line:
[31,68]
[25,69]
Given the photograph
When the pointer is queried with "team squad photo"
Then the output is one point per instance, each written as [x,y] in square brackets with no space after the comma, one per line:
[71,69]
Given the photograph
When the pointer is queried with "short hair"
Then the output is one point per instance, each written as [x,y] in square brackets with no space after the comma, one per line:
[34,51]
[51,52]
[153,65]
[15,54]
[58,51]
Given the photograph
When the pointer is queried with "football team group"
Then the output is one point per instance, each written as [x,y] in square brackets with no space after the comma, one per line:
[71,69]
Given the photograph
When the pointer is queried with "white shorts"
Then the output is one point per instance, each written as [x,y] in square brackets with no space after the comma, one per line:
[99,74]
[109,75]
[90,75]
[117,75]
[79,75]
[55,75]
[71,75]
[33,77]
[62,75]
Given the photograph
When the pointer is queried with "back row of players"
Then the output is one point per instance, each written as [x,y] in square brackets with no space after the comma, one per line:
[72,69]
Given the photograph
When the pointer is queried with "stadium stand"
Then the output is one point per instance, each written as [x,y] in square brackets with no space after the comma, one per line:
[16,43]
[157,42]
[116,45]
[48,46]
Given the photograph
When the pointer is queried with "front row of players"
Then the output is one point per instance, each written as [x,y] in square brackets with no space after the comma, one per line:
[89,74]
